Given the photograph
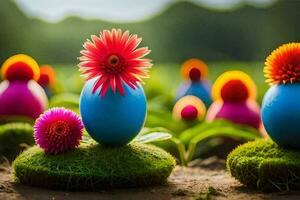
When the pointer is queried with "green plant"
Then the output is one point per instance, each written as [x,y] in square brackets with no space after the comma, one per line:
[153,136]
[264,165]
[161,117]
[188,141]
[187,135]
[230,131]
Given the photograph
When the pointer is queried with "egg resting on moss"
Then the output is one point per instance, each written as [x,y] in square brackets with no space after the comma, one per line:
[113,102]
[280,106]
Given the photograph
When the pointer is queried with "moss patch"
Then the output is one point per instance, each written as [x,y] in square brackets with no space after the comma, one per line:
[12,136]
[264,165]
[94,167]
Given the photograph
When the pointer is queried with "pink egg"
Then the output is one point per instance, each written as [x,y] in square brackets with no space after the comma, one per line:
[21,98]
[244,112]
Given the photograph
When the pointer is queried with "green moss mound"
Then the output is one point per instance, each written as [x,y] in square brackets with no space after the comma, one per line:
[264,165]
[94,167]
[5,119]
[12,136]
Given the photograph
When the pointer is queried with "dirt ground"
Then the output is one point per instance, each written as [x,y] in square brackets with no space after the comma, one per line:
[192,182]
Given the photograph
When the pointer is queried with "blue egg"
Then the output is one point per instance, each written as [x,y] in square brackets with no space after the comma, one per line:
[113,119]
[281,114]
[200,89]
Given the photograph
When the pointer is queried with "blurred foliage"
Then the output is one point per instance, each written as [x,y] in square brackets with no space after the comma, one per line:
[67,100]
[14,137]
[181,31]
[165,78]
[200,135]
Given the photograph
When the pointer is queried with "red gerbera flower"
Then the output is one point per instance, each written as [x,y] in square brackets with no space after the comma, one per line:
[114,59]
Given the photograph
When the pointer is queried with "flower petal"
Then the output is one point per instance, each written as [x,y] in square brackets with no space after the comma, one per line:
[130,69]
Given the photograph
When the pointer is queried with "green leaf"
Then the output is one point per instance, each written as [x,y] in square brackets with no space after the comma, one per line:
[181,150]
[188,134]
[220,132]
[153,137]
[147,130]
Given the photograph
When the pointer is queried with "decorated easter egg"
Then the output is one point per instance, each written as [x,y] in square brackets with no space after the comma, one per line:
[234,94]
[194,73]
[244,113]
[200,89]
[281,107]
[20,95]
[112,102]
[281,114]
[19,98]
[189,108]
[113,119]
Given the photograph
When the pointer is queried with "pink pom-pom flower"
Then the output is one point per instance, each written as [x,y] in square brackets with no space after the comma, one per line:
[58,130]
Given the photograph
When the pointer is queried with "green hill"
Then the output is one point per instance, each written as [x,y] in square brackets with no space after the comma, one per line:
[183,30]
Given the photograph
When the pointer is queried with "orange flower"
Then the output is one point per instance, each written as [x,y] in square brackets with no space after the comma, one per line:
[283,64]
[114,59]
[194,69]
[20,67]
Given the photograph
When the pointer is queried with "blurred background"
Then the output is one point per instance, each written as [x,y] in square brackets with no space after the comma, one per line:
[214,30]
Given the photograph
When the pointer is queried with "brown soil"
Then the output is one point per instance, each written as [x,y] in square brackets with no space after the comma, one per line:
[184,183]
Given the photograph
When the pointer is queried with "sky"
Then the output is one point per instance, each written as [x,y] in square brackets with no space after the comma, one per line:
[116,10]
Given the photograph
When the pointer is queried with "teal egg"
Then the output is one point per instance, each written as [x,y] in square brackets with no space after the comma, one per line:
[281,114]
[113,119]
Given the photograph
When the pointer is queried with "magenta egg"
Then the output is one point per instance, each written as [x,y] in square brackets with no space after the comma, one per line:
[244,113]
[20,98]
